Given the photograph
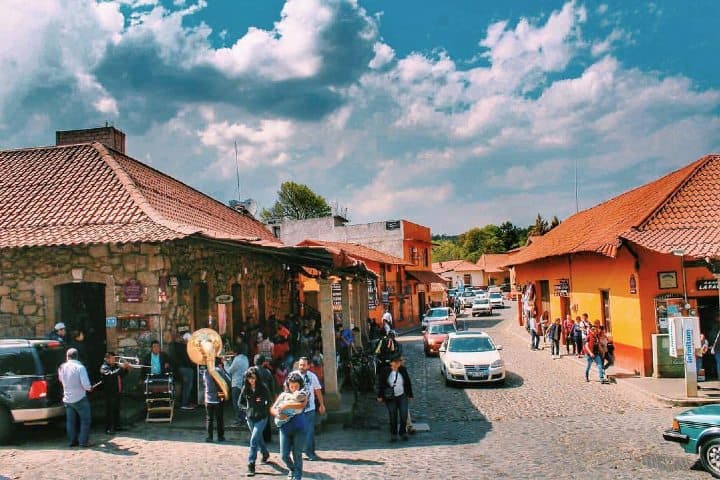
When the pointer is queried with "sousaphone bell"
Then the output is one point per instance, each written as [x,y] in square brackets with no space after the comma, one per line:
[203,347]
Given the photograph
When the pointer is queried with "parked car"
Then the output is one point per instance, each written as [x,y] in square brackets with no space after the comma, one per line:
[481,306]
[30,392]
[435,334]
[438,314]
[467,298]
[496,300]
[698,431]
[471,357]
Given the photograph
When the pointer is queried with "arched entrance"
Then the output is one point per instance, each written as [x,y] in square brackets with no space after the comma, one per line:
[81,306]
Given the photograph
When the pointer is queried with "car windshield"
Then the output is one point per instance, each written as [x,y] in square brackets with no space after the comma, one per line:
[51,357]
[468,294]
[438,312]
[495,295]
[16,361]
[444,328]
[481,300]
[470,344]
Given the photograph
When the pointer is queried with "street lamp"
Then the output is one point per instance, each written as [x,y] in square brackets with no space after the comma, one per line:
[679,252]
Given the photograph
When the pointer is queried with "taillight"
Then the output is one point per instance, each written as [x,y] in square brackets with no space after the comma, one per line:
[38,389]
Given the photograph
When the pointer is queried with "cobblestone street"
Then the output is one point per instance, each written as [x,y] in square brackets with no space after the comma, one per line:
[546,422]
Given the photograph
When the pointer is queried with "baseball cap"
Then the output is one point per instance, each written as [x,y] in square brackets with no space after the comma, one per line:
[59,326]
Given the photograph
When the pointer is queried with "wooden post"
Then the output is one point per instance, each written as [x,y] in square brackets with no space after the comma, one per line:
[332,393]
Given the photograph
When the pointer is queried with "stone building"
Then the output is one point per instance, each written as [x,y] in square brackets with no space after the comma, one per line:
[113,247]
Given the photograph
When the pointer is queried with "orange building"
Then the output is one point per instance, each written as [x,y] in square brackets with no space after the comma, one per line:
[390,271]
[631,260]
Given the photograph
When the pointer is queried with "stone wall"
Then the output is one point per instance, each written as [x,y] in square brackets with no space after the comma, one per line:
[29,303]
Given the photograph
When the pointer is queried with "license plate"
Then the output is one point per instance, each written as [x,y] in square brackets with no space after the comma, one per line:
[477,376]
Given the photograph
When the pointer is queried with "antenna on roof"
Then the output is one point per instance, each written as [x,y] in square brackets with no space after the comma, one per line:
[577,205]
[237,170]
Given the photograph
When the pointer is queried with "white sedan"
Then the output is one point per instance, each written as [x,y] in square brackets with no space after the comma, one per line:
[471,357]
[481,306]
[496,300]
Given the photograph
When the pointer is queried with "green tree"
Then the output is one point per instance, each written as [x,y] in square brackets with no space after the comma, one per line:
[554,222]
[540,227]
[445,250]
[296,201]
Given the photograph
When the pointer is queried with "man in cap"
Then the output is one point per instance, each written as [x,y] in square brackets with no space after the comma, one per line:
[74,379]
[58,332]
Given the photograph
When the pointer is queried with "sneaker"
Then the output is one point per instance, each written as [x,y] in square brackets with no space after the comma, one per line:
[312,458]
[209,439]
[221,439]
[265,458]
[250,470]
[186,407]
[110,432]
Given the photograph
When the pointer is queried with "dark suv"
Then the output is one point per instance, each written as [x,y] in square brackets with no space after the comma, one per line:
[30,392]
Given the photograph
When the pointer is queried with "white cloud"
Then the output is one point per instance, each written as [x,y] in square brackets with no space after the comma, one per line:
[384,54]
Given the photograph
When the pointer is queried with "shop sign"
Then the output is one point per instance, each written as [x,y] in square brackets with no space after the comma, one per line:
[385,297]
[633,284]
[132,291]
[711,284]
[393,225]
[372,294]
[562,288]
[336,291]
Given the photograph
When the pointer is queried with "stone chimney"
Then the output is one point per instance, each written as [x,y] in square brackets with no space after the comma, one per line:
[109,136]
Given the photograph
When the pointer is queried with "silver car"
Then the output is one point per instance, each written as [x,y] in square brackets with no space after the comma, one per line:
[481,306]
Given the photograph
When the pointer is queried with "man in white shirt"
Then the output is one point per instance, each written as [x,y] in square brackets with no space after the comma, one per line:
[387,321]
[314,390]
[74,379]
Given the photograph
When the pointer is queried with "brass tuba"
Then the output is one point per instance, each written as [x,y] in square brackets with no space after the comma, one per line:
[204,346]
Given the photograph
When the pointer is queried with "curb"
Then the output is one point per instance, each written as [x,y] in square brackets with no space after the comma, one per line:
[668,401]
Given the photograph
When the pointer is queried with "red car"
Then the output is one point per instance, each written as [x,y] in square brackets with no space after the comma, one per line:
[435,334]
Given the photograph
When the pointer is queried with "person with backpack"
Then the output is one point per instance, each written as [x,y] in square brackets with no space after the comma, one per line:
[577,335]
[592,353]
[255,400]
[554,334]
[215,403]
[386,348]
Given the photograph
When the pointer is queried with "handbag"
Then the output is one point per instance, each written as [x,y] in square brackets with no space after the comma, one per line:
[389,392]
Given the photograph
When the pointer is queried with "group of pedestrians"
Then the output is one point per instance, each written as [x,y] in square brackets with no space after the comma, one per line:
[294,410]
[581,339]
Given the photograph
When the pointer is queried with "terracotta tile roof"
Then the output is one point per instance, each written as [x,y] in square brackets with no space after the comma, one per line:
[357,251]
[493,262]
[87,193]
[689,219]
[599,229]
[455,266]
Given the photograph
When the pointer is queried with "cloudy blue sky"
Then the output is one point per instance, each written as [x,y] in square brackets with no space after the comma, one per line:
[451,114]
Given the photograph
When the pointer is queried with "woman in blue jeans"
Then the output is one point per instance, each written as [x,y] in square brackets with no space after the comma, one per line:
[290,419]
[255,400]
[394,389]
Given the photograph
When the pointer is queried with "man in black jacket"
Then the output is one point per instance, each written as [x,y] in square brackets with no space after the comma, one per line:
[112,373]
[266,377]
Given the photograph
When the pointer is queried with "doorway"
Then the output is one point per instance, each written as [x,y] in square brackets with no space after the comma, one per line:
[82,308]
[565,308]
[544,297]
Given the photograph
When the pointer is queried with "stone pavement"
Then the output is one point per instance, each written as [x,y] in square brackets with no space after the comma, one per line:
[546,422]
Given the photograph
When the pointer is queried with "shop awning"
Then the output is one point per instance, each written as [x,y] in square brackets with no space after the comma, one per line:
[424,276]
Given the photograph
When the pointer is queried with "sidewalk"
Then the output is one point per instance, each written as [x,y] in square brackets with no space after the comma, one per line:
[669,391]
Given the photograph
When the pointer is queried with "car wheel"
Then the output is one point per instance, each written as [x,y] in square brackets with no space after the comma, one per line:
[6,426]
[448,382]
[710,456]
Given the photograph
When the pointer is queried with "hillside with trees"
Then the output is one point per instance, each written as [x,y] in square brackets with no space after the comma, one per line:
[471,244]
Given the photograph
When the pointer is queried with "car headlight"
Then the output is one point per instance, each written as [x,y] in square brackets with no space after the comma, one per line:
[456,365]
[497,364]
[676,425]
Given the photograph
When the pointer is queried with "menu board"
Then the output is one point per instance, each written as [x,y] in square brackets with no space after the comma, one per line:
[372,294]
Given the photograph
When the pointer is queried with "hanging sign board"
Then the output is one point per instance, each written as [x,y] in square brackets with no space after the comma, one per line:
[224,299]
[372,294]
[704,285]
